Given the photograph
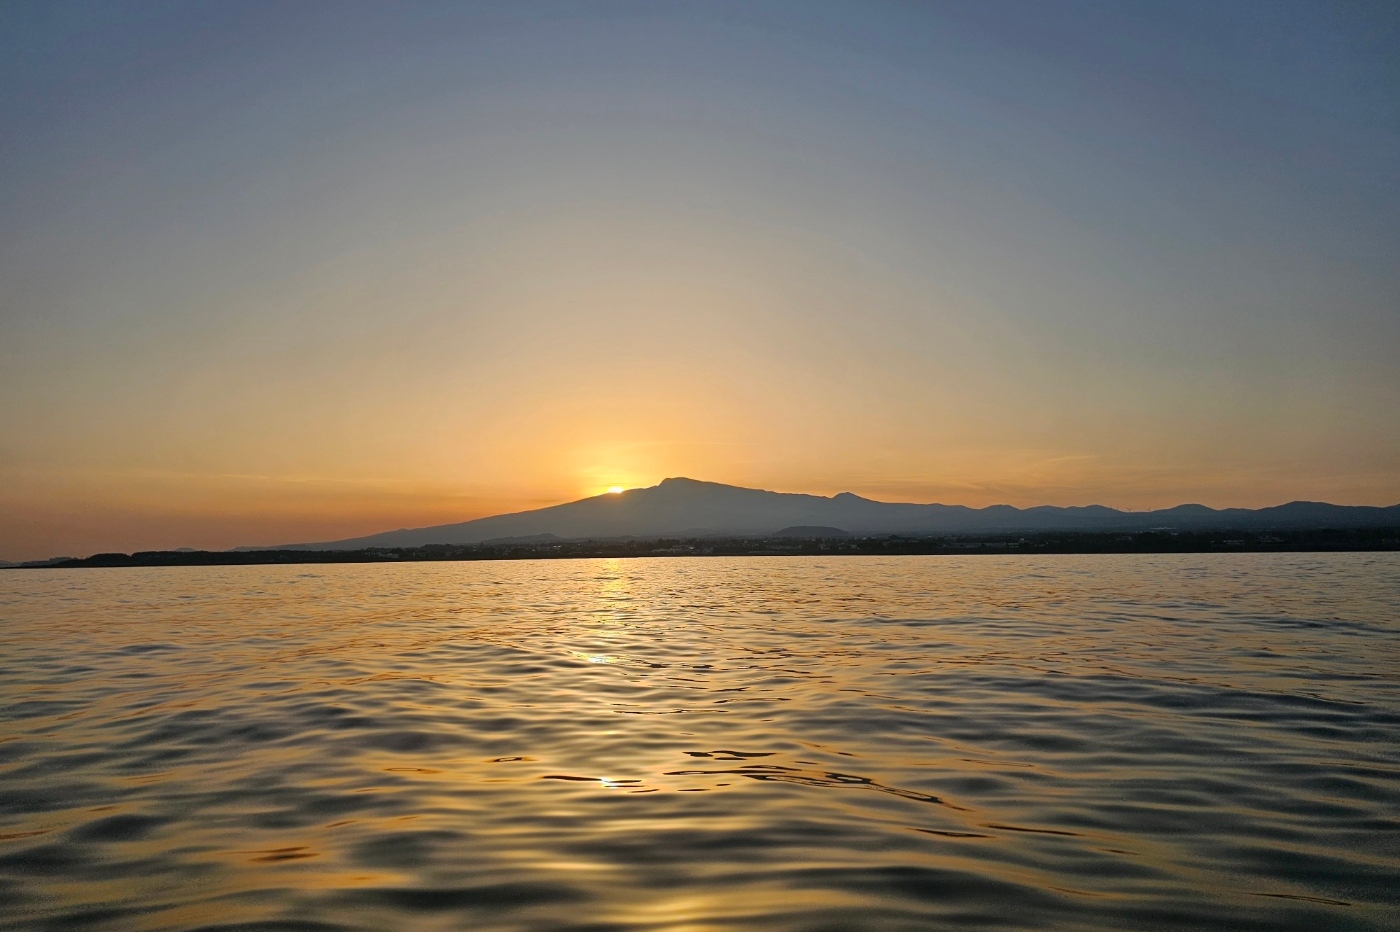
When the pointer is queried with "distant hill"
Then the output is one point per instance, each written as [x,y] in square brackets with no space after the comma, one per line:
[526,539]
[810,532]
[691,508]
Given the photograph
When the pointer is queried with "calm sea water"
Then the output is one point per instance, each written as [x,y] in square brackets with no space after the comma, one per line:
[1076,742]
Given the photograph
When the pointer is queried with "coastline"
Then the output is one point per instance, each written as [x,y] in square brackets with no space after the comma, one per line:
[1327,540]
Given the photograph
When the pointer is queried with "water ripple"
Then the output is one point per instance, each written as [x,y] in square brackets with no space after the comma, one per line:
[1099,742]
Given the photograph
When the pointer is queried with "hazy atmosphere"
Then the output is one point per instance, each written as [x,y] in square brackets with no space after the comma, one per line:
[710,466]
[300,271]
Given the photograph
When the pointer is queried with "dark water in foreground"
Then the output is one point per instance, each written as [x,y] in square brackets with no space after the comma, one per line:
[1098,742]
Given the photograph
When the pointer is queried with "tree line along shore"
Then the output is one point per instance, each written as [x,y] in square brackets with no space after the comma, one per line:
[1081,542]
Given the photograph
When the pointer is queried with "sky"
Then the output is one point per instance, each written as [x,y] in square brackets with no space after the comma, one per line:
[297,271]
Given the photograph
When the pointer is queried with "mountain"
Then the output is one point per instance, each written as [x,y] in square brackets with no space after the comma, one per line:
[690,508]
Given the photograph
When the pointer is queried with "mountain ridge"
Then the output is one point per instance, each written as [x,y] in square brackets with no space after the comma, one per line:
[683,507]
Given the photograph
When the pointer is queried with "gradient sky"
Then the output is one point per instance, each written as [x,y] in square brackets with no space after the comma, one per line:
[295,271]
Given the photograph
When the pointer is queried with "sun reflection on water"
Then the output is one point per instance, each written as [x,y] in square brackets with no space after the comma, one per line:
[696,743]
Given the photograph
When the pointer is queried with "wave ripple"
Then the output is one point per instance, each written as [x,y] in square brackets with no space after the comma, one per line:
[1095,742]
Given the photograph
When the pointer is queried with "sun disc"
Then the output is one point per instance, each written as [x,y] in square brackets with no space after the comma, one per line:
[615,490]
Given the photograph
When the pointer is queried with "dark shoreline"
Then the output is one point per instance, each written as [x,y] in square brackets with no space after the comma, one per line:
[1329,540]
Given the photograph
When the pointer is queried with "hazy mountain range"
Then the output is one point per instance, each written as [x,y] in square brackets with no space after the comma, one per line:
[691,508]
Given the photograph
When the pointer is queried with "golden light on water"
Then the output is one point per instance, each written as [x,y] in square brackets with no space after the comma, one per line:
[545,743]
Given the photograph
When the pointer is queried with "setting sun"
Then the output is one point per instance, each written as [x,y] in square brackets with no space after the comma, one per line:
[993,396]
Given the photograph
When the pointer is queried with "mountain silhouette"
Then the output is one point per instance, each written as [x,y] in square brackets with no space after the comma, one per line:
[691,508]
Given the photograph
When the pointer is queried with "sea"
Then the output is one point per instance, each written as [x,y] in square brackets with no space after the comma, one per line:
[1161,742]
